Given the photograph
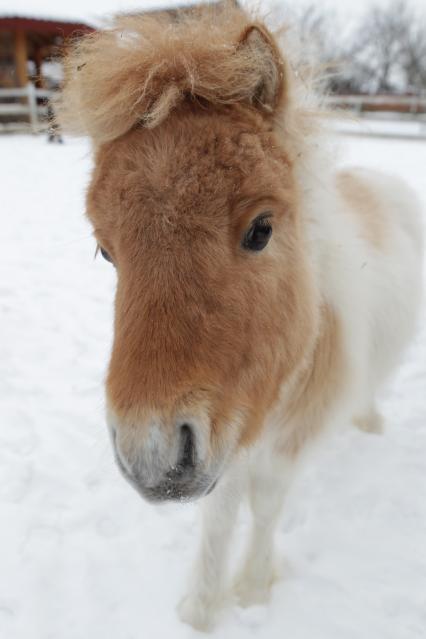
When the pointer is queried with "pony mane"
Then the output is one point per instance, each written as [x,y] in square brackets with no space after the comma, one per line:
[143,67]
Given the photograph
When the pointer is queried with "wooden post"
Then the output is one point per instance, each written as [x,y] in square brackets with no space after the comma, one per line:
[38,59]
[21,58]
[32,105]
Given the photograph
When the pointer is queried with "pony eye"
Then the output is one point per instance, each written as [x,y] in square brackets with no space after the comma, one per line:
[105,255]
[259,233]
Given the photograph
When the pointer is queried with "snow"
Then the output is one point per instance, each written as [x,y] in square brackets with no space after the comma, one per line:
[81,555]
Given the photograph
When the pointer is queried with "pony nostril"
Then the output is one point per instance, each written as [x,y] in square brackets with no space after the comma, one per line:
[187,448]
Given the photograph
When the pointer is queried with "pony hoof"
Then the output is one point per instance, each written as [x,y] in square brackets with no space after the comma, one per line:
[372,423]
[249,593]
[197,613]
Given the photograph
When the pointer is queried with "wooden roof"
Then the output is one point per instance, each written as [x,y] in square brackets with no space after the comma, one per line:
[39,25]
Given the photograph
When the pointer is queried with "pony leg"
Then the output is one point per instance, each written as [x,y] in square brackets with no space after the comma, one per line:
[268,487]
[206,592]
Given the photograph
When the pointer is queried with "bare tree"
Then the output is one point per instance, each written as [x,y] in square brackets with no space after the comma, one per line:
[314,33]
[389,51]
[414,55]
[314,27]
[386,53]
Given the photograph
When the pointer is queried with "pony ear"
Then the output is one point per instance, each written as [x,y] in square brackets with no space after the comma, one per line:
[268,92]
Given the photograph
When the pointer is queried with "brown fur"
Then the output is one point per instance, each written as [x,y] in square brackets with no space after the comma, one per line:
[190,309]
[366,205]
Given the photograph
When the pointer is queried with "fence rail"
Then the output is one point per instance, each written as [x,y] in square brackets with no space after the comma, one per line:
[25,103]
[30,104]
[404,104]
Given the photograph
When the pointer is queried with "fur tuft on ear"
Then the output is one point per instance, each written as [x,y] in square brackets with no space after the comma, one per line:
[143,67]
[270,88]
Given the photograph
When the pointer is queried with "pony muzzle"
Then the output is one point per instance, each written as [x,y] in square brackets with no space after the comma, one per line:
[163,466]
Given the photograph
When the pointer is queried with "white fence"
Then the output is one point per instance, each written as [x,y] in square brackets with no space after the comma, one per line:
[27,107]
[21,105]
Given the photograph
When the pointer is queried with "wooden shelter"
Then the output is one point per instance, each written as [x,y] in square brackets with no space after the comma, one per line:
[26,42]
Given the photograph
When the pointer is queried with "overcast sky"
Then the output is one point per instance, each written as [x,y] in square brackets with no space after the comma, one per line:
[90,9]
[350,10]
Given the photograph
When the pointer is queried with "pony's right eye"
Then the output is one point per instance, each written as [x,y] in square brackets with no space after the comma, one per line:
[105,255]
[259,233]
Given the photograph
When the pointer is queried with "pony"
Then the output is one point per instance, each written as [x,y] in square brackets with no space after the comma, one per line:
[263,296]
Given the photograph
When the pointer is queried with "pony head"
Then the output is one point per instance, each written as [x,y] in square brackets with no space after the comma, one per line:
[194,200]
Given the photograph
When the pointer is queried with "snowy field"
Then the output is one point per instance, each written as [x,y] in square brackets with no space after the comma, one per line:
[81,555]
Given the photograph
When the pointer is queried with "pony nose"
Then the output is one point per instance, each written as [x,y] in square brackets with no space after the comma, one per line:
[186,460]
[156,476]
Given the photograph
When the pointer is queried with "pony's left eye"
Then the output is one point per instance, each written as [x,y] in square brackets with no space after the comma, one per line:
[105,255]
[259,233]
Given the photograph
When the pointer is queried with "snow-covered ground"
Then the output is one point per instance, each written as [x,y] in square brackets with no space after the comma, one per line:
[81,555]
